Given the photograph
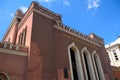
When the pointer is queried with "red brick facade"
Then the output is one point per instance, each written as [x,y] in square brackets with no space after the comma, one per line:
[37,46]
[116,71]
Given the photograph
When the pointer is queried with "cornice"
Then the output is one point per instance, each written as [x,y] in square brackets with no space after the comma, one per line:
[13,52]
[36,7]
[112,46]
[47,12]
[73,32]
[7,46]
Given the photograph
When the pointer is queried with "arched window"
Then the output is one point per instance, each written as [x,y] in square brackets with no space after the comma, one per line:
[98,67]
[9,40]
[75,63]
[88,66]
[3,76]
[22,37]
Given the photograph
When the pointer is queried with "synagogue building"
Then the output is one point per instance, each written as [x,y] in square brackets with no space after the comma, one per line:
[38,46]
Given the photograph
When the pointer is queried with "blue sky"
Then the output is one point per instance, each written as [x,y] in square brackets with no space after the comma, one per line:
[101,17]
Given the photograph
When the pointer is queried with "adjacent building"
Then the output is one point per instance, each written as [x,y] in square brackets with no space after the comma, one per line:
[113,52]
[38,46]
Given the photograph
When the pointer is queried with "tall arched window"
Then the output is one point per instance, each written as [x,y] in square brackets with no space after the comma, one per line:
[88,66]
[75,63]
[24,36]
[3,76]
[98,67]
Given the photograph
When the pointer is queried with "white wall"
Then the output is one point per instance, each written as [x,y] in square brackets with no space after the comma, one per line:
[110,50]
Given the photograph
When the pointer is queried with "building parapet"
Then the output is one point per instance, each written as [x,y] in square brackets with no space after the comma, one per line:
[44,10]
[88,38]
[10,46]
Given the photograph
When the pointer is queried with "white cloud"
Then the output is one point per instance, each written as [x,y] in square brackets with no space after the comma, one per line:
[66,3]
[117,26]
[24,9]
[47,1]
[10,14]
[93,4]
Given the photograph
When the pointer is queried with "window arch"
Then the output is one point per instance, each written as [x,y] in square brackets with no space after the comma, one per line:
[75,62]
[88,66]
[3,76]
[98,67]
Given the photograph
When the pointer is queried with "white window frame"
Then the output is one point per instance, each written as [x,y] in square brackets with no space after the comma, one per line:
[101,75]
[91,70]
[78,61]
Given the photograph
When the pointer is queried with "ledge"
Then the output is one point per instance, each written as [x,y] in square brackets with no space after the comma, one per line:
[77,33]
[10,46]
